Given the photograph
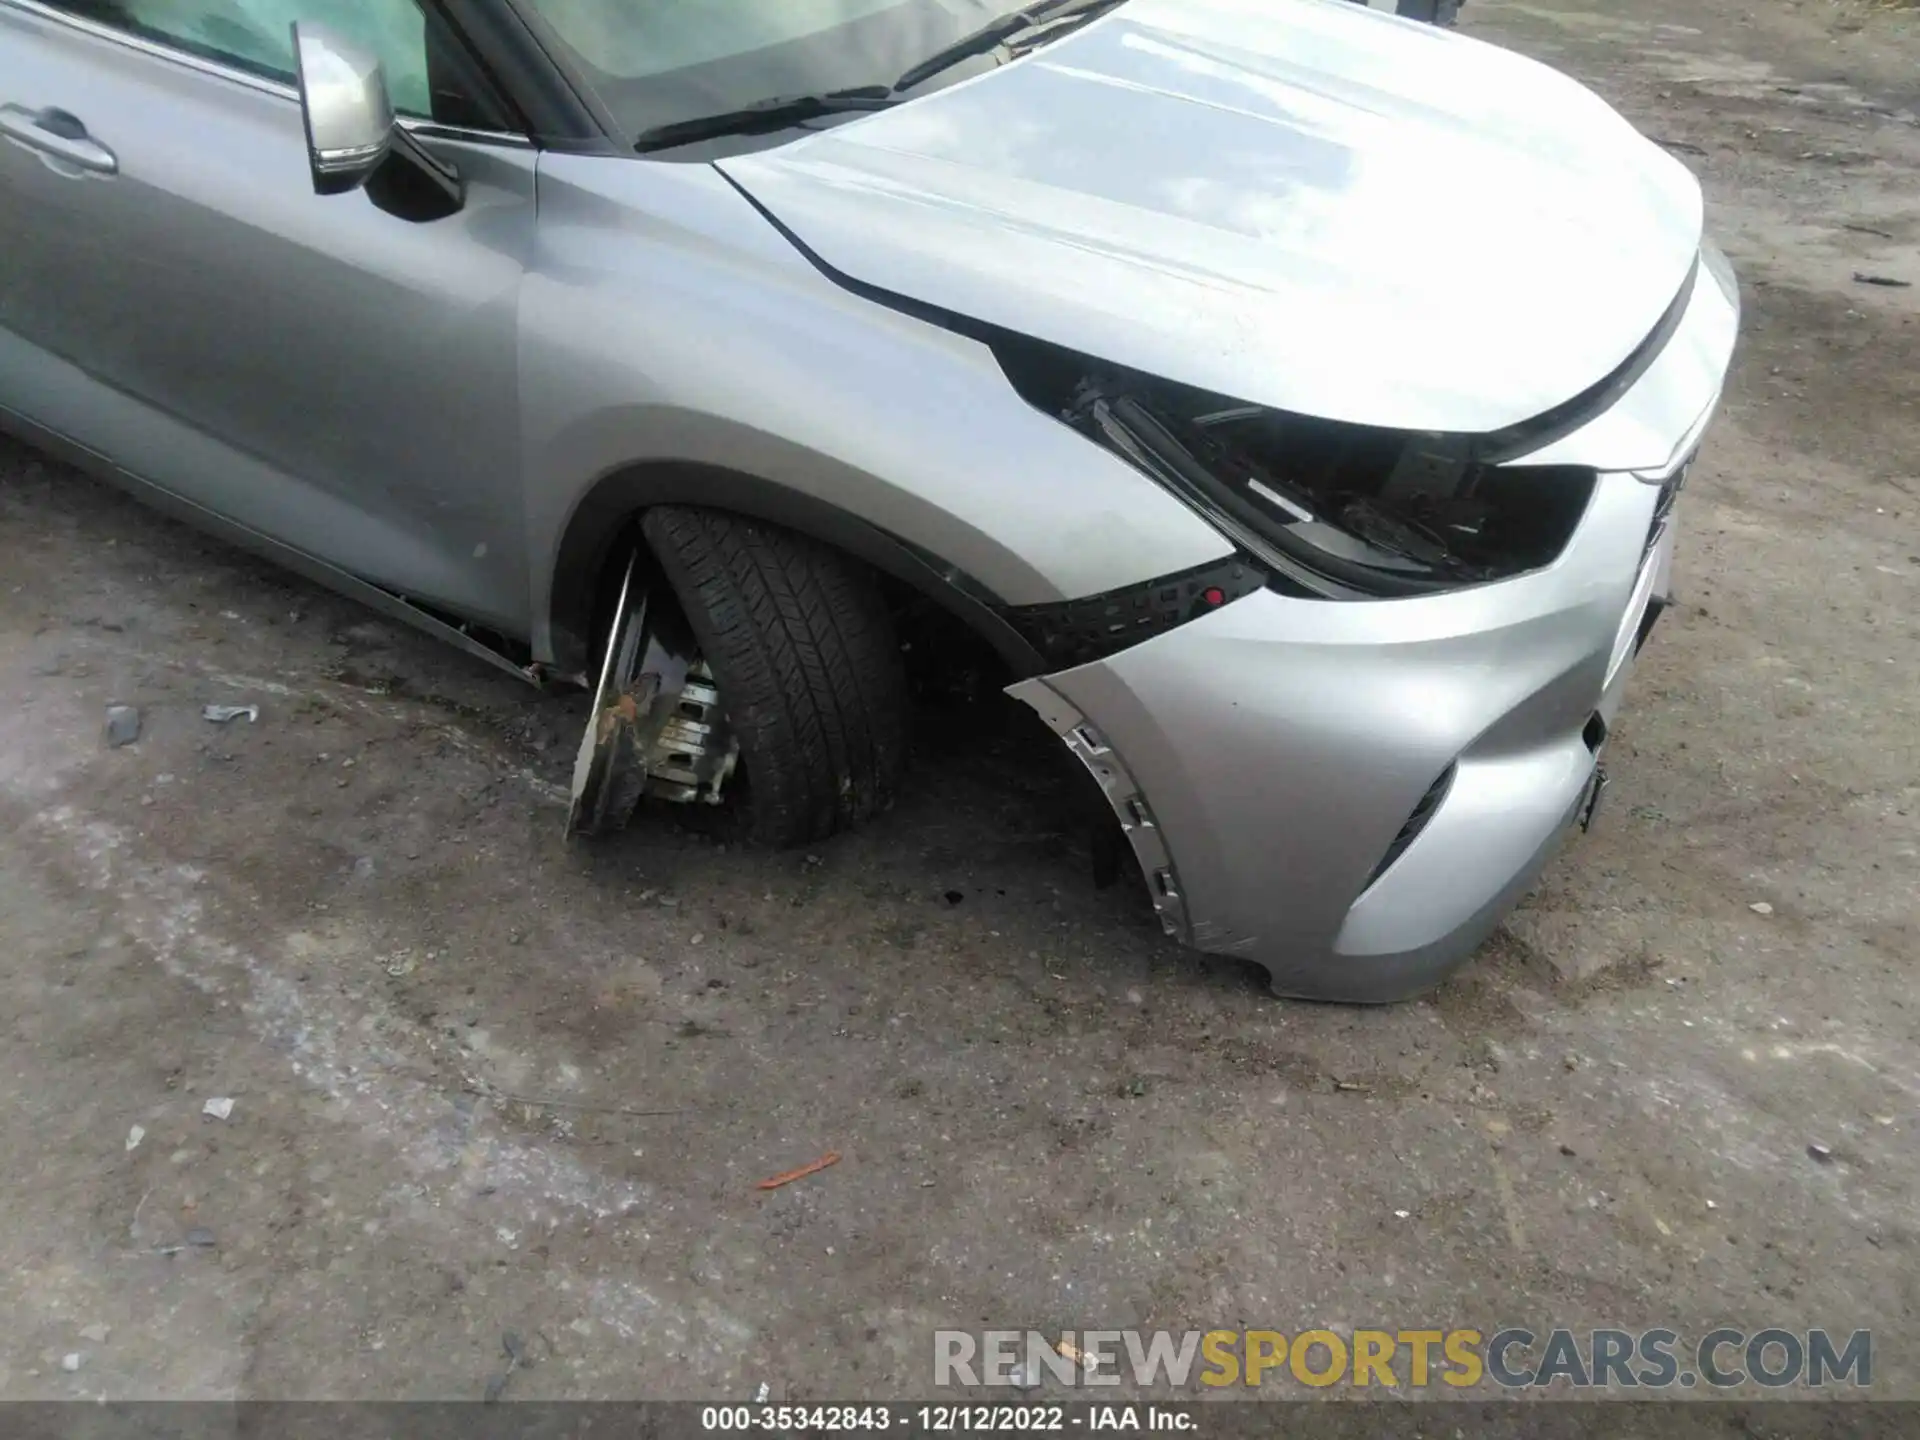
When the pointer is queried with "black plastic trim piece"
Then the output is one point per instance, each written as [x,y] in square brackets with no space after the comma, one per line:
[1067,633]
[1663,506]
[457,73]
[559,114]
[1410,830]
[1656,607]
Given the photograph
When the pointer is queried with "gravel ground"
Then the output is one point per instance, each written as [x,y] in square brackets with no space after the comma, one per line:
[485,1081]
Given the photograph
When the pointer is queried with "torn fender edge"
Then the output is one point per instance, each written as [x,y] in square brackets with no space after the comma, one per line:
[1123,794]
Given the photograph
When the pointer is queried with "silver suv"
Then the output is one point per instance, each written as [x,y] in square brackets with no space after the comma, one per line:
[1294,396]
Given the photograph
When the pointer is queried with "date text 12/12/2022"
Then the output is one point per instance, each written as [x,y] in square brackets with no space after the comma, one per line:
[949,1419]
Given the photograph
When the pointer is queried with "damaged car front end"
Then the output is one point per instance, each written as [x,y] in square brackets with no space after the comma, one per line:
[1293,398]
[1421,497]
[1348,762]
[1442,471]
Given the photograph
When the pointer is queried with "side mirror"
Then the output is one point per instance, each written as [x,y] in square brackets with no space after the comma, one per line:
[343,100]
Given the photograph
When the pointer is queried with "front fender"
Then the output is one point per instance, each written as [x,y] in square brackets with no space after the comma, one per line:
[666,326]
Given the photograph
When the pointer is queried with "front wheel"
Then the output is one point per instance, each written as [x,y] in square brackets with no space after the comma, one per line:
[802,652]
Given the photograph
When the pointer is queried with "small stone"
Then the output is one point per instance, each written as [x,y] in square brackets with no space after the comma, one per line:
[1761,907]
[218,1106]
[201,1238]
[123,725]
[1821,1153]
[1568,1151]
[135,1136]
[96,1332]
[70,1361]
[1402,1214]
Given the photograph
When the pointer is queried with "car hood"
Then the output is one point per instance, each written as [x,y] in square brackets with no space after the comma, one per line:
[1304,204]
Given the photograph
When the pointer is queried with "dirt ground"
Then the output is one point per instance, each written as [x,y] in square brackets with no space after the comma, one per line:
[483,1080]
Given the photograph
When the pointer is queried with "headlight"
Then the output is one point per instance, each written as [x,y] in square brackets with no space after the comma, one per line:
[1331,509]
[1343,509]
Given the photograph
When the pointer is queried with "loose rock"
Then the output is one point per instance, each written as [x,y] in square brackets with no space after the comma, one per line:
[123,725]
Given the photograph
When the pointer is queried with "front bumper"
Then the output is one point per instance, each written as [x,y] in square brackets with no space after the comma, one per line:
[1264,758]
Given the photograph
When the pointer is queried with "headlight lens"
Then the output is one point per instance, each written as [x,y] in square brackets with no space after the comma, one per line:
[1330,509]
[1341,510]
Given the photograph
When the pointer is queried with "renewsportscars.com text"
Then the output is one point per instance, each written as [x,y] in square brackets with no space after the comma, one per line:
[1512,1358]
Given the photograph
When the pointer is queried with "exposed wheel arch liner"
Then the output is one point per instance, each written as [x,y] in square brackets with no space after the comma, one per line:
[604,516]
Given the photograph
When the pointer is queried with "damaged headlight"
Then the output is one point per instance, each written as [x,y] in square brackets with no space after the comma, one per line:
[1337,510]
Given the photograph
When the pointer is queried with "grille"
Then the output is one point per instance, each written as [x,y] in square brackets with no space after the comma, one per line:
[1415,823]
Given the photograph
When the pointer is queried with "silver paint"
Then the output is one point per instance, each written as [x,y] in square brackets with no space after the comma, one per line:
[1305,205]
[1282,742]
[349,117]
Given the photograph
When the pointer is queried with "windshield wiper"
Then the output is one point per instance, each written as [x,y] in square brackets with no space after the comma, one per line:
[781,111]
[771,114]
[997,32]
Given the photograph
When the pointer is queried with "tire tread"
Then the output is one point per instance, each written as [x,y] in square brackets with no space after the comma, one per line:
[802,648]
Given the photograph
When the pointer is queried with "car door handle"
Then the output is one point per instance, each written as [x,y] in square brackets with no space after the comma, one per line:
[59,135]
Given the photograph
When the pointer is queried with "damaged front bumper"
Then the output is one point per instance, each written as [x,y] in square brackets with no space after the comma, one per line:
[1352,792]
[1266,758]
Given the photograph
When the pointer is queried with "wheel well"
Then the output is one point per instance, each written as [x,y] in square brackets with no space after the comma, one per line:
[604,529]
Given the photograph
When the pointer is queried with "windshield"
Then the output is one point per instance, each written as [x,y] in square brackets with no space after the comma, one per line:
[654,62]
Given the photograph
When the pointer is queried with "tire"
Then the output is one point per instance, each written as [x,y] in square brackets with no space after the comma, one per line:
[802,650]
